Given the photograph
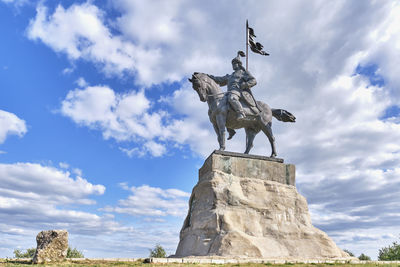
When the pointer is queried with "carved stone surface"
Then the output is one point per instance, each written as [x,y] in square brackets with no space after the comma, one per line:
[248,166]
[249,207]
[52,246]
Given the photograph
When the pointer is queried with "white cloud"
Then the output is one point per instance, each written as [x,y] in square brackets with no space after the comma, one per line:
[77,171]
[34,182]
[90,106]
[146,235]
[67,71]
[81,82]
[63,165]
[66,166]
[155,149]
[121,117]
[10,124]
[124,185]
[15,2]
[34,197]
[132,105]
[160,23]
[151,147]
[80,31]
[127,117]
[152,201]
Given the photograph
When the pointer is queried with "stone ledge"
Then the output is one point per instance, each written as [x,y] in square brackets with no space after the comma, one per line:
[248,156]
[249,166]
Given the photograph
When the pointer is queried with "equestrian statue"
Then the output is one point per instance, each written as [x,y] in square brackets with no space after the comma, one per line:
[237,107]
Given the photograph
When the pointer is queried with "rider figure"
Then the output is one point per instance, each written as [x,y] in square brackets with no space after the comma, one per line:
[238,81]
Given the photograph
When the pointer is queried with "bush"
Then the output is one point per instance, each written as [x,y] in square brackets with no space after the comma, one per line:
[158,252]
[364,257]
[390,253]
[30,252]
[74,253]
[351,254]
[27,254]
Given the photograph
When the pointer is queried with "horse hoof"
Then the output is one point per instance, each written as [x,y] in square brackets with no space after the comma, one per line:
[221,149]
[273,155]
[231,134]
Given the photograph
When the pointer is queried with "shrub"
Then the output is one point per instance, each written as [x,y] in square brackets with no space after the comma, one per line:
[74,253]
[158,252]
[349,252]
[364,257]
[30,252]
[27,254]
[390,253]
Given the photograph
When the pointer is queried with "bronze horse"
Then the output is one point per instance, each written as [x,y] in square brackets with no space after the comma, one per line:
[222,116]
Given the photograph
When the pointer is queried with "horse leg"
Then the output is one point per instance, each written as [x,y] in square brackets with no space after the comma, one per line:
[250,134]
[271,139]
[221,140]
[221,121]
[216,130]
[266,128]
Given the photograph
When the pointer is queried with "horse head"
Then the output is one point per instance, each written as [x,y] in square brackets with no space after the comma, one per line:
[199,86]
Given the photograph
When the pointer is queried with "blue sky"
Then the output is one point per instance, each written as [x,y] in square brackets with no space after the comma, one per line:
[102,135]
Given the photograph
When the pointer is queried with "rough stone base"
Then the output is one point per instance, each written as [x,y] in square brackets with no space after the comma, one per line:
[249,208]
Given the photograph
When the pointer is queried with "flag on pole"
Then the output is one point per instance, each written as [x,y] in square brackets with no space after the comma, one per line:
[256,47]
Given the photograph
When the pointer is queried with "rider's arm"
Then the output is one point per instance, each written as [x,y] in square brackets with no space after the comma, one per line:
[249,82]
[220,80]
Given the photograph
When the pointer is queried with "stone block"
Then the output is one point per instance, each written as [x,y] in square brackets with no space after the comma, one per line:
[175,260]
[196,260]
[159,260]
[52,246]
[217,261]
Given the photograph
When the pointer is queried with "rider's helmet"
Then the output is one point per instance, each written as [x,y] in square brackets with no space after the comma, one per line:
[236,60]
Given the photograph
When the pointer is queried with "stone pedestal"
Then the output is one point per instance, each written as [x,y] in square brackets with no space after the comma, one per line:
[248,206]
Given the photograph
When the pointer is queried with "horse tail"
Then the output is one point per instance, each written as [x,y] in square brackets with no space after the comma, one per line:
[283,115]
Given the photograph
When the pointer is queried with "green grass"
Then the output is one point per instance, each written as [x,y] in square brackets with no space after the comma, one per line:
[11,263]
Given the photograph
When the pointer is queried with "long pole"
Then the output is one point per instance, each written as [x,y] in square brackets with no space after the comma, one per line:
[247,45]
[247,62]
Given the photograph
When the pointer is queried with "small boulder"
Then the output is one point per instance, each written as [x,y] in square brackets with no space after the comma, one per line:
[52,246]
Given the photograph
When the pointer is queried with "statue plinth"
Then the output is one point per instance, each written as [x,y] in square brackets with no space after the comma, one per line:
[248,166]
[248,206]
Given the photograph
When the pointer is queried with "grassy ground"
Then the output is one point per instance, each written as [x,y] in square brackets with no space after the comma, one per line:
[10,263]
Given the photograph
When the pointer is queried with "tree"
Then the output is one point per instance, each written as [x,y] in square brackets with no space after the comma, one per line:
[158,252]
[351,254]
[390,253]
[27,254]
[364,257]
[74,253]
